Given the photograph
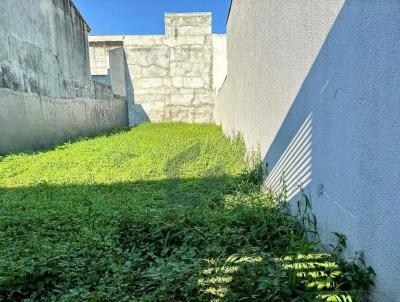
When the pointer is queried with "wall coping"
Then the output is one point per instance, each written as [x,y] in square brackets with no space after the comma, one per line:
[189,14]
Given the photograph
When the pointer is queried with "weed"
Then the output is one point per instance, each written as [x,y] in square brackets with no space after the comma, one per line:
[163,212]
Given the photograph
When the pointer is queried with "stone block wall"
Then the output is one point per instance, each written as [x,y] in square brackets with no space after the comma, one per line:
[99,53]
[172,75]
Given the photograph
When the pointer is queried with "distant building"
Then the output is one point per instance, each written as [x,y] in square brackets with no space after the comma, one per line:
[169,77]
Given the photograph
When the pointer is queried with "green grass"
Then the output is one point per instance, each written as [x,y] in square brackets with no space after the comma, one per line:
[162,212]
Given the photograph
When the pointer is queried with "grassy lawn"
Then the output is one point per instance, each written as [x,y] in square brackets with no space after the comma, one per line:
[162,212]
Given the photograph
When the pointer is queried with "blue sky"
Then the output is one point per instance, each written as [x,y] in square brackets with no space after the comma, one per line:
[140,17]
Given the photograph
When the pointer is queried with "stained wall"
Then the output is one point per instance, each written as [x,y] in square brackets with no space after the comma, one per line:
[47,95]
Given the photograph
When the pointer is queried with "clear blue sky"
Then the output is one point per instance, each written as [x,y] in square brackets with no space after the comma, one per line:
[140,17]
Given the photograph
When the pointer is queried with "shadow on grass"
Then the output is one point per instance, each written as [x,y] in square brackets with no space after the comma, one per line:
[215,237]
[211,238]
[171,191]
[54,233]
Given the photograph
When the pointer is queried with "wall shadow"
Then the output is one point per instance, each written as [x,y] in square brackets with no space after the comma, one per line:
[130,91]
[97,230]
[137,114]
[172,190]
[349,100]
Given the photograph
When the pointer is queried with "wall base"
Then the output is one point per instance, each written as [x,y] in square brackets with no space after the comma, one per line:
[31,122]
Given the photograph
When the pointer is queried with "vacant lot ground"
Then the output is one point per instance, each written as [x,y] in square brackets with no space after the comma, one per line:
[165,212]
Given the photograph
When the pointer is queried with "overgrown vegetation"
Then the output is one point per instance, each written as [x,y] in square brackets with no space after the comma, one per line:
[166,212]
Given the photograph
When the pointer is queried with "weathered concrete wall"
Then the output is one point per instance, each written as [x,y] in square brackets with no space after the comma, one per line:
[30,122]
[43,48]
[315,85]
[118,71]
[171,74]
[46,91]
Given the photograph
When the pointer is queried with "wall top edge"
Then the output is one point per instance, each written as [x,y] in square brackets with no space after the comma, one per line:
[229,12]
[80,15]
[110,38]
[188,14]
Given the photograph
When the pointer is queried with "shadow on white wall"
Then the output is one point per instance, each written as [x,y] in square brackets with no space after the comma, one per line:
[293,168]
[321,99]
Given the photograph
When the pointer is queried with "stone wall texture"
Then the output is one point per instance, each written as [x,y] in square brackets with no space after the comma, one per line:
[315,86]
[172,75]
[47,94]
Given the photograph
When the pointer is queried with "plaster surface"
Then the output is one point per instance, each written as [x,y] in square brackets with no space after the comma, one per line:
[44,50]
[47,94]
[117,71]
[220,61]
[31,122]
[314,86]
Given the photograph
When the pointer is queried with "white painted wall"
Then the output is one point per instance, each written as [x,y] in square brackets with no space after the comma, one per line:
[220,61]
[315,85]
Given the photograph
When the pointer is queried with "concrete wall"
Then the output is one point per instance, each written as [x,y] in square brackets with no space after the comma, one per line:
[99,52]
[31,122]
[220,61]
[46,91]
[314,85]
[172,75]
[43,48]
[118,71]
